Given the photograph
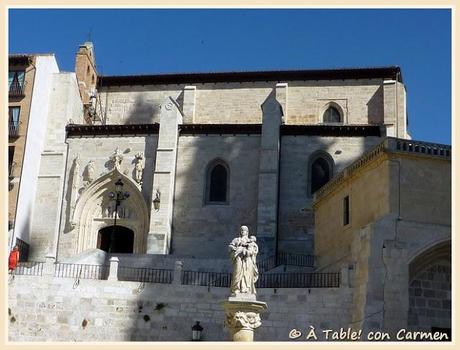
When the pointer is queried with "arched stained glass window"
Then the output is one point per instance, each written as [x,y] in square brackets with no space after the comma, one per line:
[217,183]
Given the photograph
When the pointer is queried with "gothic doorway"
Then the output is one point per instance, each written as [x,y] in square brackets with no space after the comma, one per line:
[116,239]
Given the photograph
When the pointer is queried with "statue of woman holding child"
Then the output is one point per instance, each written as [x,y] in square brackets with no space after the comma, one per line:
[243,252]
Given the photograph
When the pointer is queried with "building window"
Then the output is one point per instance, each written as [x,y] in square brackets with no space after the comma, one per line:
[321,170]
[11,163]
[332,115]
[217,183]
[346,211]
[13,122]
[15,82]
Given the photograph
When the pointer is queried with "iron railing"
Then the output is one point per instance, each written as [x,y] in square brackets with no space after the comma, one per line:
[144,275]
[16,89]
[298,280]
[97,272]
[266,280]
[29,268]
[13,129]
[210,279]
[283,258]
[296,259]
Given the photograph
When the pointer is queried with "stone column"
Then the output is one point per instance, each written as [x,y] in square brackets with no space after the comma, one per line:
[394,108]
[113,270]
[188,107]
[242,317]
[267,204]
[282,98]
[159,237]
[48,266]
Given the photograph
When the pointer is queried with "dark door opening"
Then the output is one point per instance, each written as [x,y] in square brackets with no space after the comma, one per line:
[118,240]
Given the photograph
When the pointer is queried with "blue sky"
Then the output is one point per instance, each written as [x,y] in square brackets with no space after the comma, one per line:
[170,41]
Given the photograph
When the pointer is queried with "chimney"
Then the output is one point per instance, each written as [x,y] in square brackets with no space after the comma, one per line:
[85,69]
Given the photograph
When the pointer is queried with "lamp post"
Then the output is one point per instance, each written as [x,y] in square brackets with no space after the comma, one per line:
[117,196]
[196,331]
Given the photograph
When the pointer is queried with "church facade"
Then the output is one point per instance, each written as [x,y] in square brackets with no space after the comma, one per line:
[160,171]
[214,151]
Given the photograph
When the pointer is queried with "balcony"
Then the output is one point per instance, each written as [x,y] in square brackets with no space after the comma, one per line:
[16,90]
[13,130]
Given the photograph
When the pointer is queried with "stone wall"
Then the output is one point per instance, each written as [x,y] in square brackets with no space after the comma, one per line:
[99,149]
[64,106]
[296,225]
[59,309]
[430,301]
[204,230]
[361,101]
[136,105]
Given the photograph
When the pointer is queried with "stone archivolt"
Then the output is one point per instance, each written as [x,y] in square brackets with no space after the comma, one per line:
[94,211]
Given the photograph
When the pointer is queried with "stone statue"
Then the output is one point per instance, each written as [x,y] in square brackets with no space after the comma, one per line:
[139,167]
[243,252]
[116,158]
[76,173]
[89,173]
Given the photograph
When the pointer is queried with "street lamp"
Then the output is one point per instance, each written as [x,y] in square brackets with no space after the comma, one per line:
[117,196]
[196,331]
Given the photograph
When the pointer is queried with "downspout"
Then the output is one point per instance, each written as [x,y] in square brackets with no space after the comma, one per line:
[396,104]
[64,178]
[278,197]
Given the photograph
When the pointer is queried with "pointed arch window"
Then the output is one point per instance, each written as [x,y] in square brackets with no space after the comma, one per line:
[320,170]
[332,115]
[217,183]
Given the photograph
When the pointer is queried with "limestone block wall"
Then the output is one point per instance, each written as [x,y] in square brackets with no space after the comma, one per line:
[64,105]
[381,254]
[99,149]
[296,223]
[204,230]
[361,101]
[136,105]
[231,102]
[430,300]
[425,190]
[58,309]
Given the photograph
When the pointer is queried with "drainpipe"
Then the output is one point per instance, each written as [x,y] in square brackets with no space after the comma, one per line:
[278,198]
[60,228]
[396,104]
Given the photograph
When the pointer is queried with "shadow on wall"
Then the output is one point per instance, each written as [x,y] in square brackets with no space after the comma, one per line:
[202,228]
[146,110]
[296,217]
[375,107]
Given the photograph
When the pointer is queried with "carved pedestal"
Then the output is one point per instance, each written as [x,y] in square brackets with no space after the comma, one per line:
[242,317]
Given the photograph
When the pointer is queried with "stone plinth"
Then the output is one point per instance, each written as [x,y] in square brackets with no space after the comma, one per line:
[242,316]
